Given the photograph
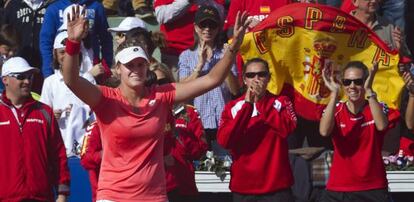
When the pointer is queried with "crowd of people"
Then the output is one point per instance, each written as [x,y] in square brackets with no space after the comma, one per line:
[136,123]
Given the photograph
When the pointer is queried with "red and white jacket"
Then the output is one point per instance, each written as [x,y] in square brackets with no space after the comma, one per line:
[186,143]
[32,152]
[91,155]
[256,135]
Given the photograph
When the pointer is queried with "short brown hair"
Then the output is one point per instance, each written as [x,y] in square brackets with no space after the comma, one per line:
[9,36]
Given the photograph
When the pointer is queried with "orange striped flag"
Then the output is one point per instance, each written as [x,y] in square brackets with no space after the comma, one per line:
[300,40]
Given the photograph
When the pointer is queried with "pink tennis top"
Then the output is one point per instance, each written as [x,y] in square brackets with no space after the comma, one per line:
[132,166]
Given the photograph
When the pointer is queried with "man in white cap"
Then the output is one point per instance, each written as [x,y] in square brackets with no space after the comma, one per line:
[32,149]
[126,25]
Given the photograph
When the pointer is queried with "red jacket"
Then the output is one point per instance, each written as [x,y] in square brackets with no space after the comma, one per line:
[91,156]
[256,136]
[32,152]
[185,143]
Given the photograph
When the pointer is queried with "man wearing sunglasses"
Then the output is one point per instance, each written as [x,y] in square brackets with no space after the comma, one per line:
[357,127]
[254,128]
[33,153]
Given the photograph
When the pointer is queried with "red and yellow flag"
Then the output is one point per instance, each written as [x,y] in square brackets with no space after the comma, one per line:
[300,40]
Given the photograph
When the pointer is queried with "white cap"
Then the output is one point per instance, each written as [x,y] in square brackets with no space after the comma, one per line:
[128,54]
[60,40]
[127,24]
[68,10]
[16,65]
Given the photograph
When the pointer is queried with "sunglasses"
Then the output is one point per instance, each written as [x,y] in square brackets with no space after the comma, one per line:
[21,76]
[358,82]
[120,34]
[253,74]
[208,23]
[163,81]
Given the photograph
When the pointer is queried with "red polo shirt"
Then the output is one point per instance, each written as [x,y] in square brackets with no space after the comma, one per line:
[357,162]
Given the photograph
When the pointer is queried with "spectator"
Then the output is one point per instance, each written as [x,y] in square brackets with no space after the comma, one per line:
[254,128]
[134,125]
[91,155]
[33,147]
[147,40]
[59,97]
[99,39]
[27,18]
[184,142]
[9,43]
[126,25]
[198,61]
[365,12]
[176,19]
[357,128]
[409,114]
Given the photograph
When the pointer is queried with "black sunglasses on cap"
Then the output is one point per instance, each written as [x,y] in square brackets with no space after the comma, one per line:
[21,76]
[358,82]
[253,74]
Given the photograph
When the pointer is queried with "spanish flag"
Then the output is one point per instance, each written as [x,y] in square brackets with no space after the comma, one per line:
[300,40]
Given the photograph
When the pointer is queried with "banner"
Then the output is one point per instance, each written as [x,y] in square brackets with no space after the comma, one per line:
[300,40]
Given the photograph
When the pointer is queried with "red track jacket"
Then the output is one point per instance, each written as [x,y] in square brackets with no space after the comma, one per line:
[32,152]
[256,136]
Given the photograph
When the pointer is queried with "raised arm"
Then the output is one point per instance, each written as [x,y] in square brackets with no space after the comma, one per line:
[409,114]
[82,88]
[380,118]
[196,87]
[327,122]
[169,12]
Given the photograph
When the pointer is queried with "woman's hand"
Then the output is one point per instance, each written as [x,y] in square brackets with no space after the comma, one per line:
[202,56]
[370,79]
[409,82]
[329,80]
[240,26]
[396,37]
[250,96]
[77,23]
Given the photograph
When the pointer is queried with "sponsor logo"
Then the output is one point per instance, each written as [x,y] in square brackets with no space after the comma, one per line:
[34,121]
[180,125]
[367,123]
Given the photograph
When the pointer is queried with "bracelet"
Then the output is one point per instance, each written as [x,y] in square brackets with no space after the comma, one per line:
[72,47]
[373,95]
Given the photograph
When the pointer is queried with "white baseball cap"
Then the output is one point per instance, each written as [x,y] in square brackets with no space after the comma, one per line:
[60,40]
[16,65]
[128,54]
[68,10]
[127,24]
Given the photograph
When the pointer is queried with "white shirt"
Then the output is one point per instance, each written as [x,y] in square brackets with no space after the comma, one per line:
[57,95]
